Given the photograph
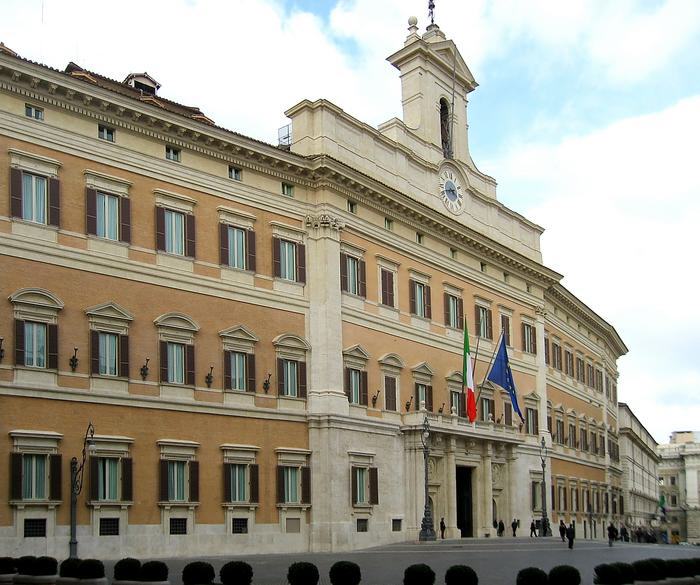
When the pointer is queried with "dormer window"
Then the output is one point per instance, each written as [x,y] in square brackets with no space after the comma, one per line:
[143,82]
[445,129]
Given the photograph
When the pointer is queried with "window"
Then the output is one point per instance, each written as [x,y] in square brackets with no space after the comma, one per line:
[290,378]
[175,232]
[483,322]
[364,486]
[172,153]
[107,478]
[508,414]
[546,349]
[236,247]
[387,285]
[234,173]
[176,363]
[419,238]
[594,442]
[419,299]
[396,524]
[353,275]
[291,485]
[107,216]
[176,481]
[107,348]
[482,266]
[531,424]
[35,528]
[178,526]
[34,476]
[238,482]
[352,206]
[506,277]
[505,328]
[556,355]
[390,393]
[35,193]
[453,253]
[388,224]
[574,499]
[568,363]
[109,526]
[571,439]
[34,196]
[536,496]
[287,190]
[356,386]
[674,502]
[105,133]
[454,316]
[673,480]
[362,524]
[589,376]
[560,432]
[487,409]
[237,362]
[289,260]
[35,344]
[33,112]
[239,525]
[179,476]
[580,372]
[529,341]
[456,402]
[291,365]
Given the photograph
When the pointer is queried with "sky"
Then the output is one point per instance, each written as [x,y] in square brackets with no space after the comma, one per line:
[587,114]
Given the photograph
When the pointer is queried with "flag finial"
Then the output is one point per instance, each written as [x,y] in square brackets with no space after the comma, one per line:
[431,11]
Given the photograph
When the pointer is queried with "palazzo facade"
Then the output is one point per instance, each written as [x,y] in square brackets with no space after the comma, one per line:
[257,332]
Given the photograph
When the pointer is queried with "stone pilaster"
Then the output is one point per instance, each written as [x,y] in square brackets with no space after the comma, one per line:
[451,475]
[541,388]
[486,519]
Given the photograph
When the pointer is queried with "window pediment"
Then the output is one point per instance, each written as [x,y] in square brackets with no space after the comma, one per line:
[391,360]
[290,346]
[36,304]
[423,368]
[176,327]
[109,316]
[356,351]
[238,338]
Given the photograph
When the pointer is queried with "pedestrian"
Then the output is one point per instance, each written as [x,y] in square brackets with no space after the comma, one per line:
[562,530]
[501,528]
[624,535]
[612,534]
[514,526]
[442,528]
[570,535]
[533,529]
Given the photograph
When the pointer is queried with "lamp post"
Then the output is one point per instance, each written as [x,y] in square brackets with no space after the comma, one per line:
[545,530]
[77,472]
[427,531]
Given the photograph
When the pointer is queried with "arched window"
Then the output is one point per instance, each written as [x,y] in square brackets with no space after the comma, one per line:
[445,128]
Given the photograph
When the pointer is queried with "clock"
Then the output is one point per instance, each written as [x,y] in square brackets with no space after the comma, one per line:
[451,191]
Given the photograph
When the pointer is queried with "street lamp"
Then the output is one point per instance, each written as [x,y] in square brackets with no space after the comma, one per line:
[427,532]
[76,486]
[545,530]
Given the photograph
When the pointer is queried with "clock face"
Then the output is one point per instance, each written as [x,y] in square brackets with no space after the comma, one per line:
[451,191]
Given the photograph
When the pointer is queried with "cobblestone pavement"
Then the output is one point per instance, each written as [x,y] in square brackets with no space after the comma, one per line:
[496,561]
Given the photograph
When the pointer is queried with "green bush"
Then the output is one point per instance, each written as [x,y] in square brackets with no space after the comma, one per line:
[608,574]
[531,576]
[45,566]
[419,574]
[564,575]
[8,565]
[91,569]
[198,573]
[25,565]
[646,570]
[154,571]
[69,568]
[302,574]
[127,569]
[461,575]
[626,573]
[236,573]
[345,573]
[688,567]
[660,567]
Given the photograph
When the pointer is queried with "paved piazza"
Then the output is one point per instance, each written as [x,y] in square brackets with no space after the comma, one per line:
[496,561]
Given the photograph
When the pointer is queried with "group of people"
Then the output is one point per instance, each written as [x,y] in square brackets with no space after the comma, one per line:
[501,527]
[567,532]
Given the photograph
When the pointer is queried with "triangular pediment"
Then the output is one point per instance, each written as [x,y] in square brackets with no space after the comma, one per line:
[454,376]
[239,332]
[447,51]
[422,368]
[356,351]
[109,310]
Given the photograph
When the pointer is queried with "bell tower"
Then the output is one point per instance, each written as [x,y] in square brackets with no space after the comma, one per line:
[435,81]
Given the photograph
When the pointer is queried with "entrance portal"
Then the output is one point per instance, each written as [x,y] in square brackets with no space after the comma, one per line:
[464,501]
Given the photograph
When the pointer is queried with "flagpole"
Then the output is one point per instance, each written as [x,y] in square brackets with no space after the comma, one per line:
[489,368]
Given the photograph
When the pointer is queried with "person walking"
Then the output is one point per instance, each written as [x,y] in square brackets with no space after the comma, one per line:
[514,526]
[501,528]
[562,530]
[533,529]
[442,528]
[571,534]
[612,534]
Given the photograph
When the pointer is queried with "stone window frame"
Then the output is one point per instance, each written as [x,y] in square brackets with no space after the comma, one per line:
[391,365]
[423,279]
[358,254]
[294,457]
[356,358]
[289,346]
[422,373]
[389,265]
[363,460]
[453,383]
[532,401]
[178,450]
[109,317]
[239,454]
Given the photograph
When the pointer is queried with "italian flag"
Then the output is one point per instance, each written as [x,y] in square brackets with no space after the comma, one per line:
[468,377]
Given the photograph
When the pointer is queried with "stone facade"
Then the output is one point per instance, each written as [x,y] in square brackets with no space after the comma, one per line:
[261,331]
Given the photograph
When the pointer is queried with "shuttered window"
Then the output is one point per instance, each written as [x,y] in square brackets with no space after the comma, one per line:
[390,393]
[109,354]
[505,328]
[529,342]
[175,232]
[34,477]
[454,311]
[419,299]
[35,198]
[483,325]
[35,344]
[387,284]
[353,275]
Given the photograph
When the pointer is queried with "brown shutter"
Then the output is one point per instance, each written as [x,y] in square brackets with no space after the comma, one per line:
[163,361]
[343,272]
[302,379]
[280,376]
[194,481]
[346,382]
[363,389]
[534,340]
[16,197]
[250,372]
[460,313]
[489,324]
[446,307]
[412,296]
[301,263]
[363,277]
[94,479]
[462,405]
[508,409]
[280,484]
[383,278]
[390,289]
[163,467]
[227,370]
[477,321]
[55,476]
[276,253]
[537,424]
[250,251]
[390,392]
[160,229]
[19,342]
[127,479]
[15,475]
[223,244]
[353,485]
[373,486]
[305,485]
[125,219]
[189,236]
[52,334]
[124,356]
[429,398]
[227,482]
[91,211]
[546,351]
[189,365]
[428,307]
[416,401]
[94,352]
[254,496]
[54,202]
[522,330]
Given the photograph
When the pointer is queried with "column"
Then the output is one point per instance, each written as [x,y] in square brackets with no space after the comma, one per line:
[486,491]
[541,388]
[451,489]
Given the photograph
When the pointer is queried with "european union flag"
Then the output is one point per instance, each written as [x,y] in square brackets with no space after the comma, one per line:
[501,374]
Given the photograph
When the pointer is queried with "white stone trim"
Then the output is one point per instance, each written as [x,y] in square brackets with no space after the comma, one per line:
[352,250]
[176,449]
[418,276]
[387,263]
[287,232]
[176,327]
[102,182]
[238,338]
[291,456]
[361,458]
[244,454]
[235,217]
[482,302]
[174,201]
[110,446]
[33,163]
[507,311]
[422,374]
[41,442]
[355,357]
[109,317]
[452,289]
[292,347]
[36,304]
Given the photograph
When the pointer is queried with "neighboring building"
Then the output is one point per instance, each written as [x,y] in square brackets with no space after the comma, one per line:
[639,459]
[679,482]
[260,331]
